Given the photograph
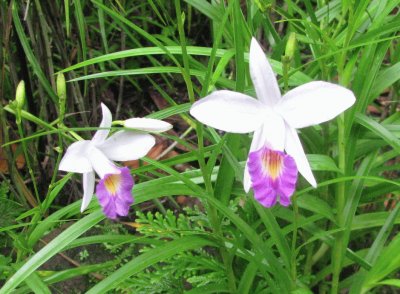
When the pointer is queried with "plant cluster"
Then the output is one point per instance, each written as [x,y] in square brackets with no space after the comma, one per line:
[241,147]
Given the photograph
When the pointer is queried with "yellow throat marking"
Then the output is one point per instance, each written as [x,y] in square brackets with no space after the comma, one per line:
[112,183]
[272,163]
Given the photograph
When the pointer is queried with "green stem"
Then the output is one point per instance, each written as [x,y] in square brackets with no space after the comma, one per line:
[62,97]
[60,151]
[212,212]
[185,56]
[286,60]
[26,154]
[338,248]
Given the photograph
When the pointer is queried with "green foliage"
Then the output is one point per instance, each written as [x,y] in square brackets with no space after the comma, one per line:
[9,210]
[184,270]
[4,267]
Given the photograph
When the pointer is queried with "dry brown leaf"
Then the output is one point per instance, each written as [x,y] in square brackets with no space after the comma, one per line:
[153,154]
[19,160]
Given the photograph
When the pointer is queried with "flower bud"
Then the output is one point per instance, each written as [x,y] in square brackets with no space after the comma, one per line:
[20,95]
[62,93]
[291,46]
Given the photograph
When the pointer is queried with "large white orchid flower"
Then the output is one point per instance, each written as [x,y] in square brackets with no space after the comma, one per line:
[274,119]
[98,154]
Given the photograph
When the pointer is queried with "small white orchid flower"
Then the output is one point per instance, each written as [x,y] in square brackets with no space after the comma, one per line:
[274,119]
[98,154]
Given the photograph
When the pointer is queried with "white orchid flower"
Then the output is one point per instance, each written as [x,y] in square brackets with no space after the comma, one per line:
[274,119]
[98,154]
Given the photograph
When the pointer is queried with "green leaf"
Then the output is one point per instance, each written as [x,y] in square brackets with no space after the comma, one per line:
[385,79]
[51,249]
[275,231]
[297,78]
[376,249]
[391,282]
[322,163]
[36,284]
[316,205]
[211,11]
[63,275]
[371,220]
[387,262]
[379,130]
[226,174]
[247,279]
[170,111]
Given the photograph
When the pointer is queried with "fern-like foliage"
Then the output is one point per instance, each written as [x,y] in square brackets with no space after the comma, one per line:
[185,270]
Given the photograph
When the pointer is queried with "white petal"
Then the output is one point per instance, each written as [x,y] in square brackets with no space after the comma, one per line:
[229,111]
[246,179]
[274,131]
[263,77]
[294,148]
[106,121]
[88,189]
[75,159]
[101,164]
[127,145]
[257,142]
[148,124]
[314,103]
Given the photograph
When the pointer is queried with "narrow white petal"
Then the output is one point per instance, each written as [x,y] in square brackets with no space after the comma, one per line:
[229,111]
[257,142]
[263,77]
[148,124]
[127,145]
[106,121]
[88,189]
[294,148]
[314,103]
[101,164]
[273,131]
[246,179]
[75,159]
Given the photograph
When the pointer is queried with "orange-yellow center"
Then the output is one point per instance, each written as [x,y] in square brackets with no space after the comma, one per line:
[112,183]
[272,163]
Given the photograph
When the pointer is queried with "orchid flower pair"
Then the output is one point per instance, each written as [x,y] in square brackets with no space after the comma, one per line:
[273,118]
[97,155]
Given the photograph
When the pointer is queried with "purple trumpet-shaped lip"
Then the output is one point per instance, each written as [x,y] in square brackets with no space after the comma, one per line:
[114,193]
[273,175]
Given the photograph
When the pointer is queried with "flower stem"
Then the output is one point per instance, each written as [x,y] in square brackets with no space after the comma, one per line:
[186,68]
[212,212]
[338,248]
[62,97]
[286,61]
[26,154]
